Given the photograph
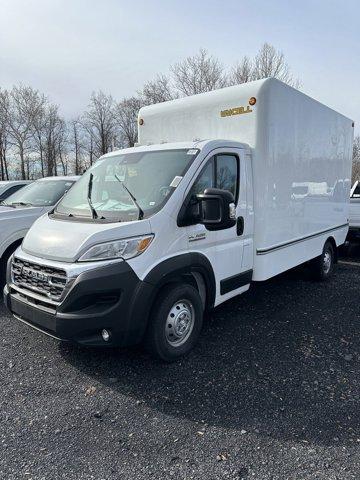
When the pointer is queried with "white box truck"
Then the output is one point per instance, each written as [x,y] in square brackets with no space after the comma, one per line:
[151,236]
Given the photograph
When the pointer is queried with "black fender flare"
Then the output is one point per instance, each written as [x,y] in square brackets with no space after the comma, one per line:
[187,263]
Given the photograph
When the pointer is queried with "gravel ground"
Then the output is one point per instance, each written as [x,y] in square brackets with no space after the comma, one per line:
[271,392]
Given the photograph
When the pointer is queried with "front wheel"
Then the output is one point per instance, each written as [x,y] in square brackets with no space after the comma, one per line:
[175,323]
[322,267]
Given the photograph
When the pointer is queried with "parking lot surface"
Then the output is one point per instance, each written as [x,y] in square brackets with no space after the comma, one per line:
[271,392]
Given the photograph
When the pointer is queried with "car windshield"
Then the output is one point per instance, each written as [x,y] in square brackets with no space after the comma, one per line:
[3,187]
[40,194]
[127,186]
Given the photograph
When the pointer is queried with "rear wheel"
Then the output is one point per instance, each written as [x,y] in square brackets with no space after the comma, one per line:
[175,323]
[322,267]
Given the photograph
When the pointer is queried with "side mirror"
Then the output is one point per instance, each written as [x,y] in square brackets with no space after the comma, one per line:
[216,209]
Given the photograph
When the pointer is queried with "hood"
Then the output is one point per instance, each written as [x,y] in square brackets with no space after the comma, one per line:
[10,212]
[14,222]
[66,241]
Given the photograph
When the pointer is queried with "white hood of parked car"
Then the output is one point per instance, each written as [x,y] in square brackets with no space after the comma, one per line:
[14,222]
[10,212]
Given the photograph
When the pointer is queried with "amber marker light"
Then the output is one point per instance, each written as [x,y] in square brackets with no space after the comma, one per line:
[252,101]
[144,243]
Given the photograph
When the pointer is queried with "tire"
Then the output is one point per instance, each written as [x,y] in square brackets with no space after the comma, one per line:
[175,323]
[322,267]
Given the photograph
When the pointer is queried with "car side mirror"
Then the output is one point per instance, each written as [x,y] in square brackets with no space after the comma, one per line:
[216,209]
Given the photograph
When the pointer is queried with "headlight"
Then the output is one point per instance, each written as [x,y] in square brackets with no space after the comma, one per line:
[126,248]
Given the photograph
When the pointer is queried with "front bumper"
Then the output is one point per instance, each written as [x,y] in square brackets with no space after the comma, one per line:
[109,297]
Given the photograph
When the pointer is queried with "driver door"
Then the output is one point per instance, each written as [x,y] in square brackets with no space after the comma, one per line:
[224,169]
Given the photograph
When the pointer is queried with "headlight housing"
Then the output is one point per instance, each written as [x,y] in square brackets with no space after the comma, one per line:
[124,249]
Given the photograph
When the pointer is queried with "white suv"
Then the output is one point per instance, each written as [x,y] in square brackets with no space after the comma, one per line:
[8,187]
[20,210]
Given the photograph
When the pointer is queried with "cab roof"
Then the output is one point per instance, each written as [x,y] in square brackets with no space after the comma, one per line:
[199,144]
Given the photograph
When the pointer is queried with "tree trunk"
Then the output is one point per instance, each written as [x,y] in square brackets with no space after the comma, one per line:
[5,165]
[22,163]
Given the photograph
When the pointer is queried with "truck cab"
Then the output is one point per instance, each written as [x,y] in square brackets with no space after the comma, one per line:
[108,256]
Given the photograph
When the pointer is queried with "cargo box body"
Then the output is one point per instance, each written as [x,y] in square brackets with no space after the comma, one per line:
[301,162]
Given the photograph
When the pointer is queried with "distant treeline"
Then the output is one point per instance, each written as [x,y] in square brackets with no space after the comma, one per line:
[36,141]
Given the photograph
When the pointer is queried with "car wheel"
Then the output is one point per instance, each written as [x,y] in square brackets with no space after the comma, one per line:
[323,266]
[176,322]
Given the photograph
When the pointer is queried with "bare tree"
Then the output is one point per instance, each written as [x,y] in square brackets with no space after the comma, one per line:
[126,116]
[60,147]
[197,74]
[270,62]
[25,105]
[76,127]
[157,91]
[99,119]
[242,72]
[4,143]
[88,143]
[49,131]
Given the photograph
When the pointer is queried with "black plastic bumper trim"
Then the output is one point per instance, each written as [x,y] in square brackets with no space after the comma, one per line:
[236,281]
[87,310]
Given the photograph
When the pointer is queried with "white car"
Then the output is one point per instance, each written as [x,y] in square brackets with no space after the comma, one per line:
[22,208]
[8,187]
[354,216]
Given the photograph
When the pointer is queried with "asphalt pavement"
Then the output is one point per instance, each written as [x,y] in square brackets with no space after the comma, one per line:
[271,392]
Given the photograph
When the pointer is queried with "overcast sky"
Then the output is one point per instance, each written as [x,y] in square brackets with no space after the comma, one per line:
[68,48]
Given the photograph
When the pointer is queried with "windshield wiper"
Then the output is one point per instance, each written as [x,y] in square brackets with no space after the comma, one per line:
[92,208]
[140,210]
[21,204]
[7,204]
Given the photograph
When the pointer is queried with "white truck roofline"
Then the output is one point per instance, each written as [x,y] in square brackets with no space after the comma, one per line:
[199,144]
[186,101]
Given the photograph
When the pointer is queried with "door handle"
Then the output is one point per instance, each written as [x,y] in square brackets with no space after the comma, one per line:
[239,226]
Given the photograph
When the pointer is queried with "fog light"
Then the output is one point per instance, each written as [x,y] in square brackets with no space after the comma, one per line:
[105,335]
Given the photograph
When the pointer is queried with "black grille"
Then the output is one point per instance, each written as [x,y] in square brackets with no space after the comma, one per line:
[40,279]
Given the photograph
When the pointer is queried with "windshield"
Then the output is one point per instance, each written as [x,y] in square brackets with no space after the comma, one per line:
[3,187]
[40,194]
[127,187]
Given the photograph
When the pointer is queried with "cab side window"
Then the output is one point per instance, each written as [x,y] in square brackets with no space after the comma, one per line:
[206,179]
[221,171]
[226,173]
